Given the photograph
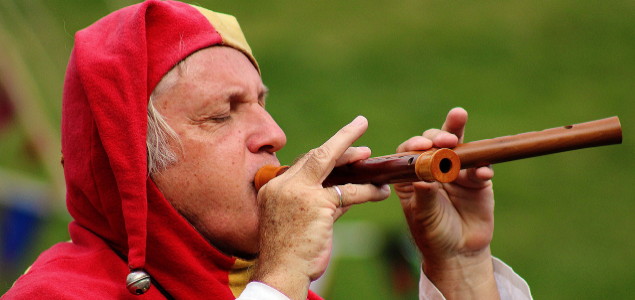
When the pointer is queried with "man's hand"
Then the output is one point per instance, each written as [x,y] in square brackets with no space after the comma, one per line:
[452,223]
[297,213]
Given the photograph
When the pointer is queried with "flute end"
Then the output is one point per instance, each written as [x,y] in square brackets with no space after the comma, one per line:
[442,165]
[266,173]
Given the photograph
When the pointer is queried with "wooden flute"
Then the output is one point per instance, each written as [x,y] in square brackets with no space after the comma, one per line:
[443,165]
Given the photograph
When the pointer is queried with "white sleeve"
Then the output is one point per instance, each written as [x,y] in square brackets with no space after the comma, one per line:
[510,285]
[260,291]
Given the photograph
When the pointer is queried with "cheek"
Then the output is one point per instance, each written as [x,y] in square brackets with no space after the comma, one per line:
[199,182]
[216,162]
[205,155]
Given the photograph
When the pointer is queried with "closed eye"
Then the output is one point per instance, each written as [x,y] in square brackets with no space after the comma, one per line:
[211,119]
[218,119]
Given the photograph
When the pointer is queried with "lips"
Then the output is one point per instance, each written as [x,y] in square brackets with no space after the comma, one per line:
[272,162]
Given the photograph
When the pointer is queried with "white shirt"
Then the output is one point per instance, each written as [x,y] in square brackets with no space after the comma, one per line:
[510,286]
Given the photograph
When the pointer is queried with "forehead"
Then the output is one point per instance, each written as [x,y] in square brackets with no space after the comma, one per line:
[211,74]
[219,61]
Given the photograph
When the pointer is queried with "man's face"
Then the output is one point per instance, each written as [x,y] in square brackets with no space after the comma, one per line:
[216,106]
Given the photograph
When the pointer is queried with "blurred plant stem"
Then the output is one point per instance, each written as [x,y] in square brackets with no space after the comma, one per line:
[25,95]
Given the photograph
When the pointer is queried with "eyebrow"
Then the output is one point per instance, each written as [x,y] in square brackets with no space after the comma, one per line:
[239,93]
[262,97]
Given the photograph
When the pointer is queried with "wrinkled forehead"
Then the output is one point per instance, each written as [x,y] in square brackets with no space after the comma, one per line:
[214,67]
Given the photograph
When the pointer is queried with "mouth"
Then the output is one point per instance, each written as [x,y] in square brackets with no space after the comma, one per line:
[264,173]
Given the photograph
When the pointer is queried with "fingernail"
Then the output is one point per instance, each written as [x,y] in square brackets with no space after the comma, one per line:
[358,121]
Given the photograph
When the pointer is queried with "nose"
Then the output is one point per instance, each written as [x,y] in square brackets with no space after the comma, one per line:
[267,135]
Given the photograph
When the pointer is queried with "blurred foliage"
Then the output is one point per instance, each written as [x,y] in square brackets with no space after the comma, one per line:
[564,221]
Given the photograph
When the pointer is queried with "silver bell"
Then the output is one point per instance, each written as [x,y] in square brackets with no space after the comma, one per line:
[138,282]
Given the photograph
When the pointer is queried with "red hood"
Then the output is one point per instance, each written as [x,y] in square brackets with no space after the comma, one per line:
[113,68]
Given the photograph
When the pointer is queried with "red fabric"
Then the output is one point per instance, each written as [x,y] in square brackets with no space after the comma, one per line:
[121,220]
[115,65]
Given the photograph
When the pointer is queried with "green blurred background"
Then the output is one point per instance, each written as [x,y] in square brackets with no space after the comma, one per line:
[564,222]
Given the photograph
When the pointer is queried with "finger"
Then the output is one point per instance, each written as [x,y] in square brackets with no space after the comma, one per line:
[415,143]
[441,138]
[484,173]
[475,178]
[340,196]
[359,193]
[319,162]
[352,155]
[403,188]
[455,122]
[425,197]
[340,211]
[406,190]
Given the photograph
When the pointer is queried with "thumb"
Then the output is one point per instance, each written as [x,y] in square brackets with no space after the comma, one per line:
[425,197]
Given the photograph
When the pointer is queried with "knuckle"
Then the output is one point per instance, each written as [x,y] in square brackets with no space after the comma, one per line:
[431,132]
[350,191]
[316,159]
[264,194]
[275,193]
[320,153]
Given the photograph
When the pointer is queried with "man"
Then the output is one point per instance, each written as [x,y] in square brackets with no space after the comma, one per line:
[164,126]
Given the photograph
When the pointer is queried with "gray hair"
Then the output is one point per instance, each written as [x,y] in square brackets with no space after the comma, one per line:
[161,138]
[158,139]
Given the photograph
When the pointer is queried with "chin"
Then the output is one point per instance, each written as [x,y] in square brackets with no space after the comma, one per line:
[247,250]
[245,242]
